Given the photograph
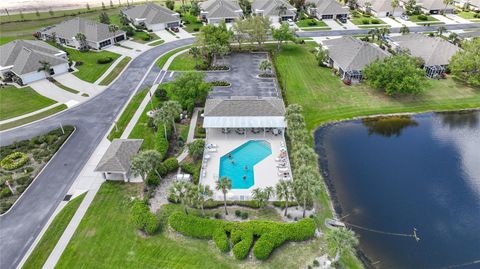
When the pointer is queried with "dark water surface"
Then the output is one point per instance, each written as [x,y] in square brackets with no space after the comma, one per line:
[393,174]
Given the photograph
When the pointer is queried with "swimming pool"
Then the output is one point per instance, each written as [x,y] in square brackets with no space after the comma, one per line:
[238,164]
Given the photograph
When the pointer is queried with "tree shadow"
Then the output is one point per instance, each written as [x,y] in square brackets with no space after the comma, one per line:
[388,126]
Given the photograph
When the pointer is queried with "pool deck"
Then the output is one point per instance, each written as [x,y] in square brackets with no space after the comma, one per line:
[265,172]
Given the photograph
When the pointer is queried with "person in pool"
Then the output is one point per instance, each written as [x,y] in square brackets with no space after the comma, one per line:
[229,155]
[232,161]
[244,178]
[246,167]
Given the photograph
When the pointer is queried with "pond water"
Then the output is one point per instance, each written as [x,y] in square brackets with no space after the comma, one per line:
[394,174]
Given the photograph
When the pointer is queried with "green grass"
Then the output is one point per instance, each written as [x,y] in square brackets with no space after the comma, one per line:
[45,246]
[162,60]
[90,70]
[361,19]
[469,15]
[373,26]
[63,87]
[116,71]
[141,129]
[191,23]
[15,102]
[304,23]
[32,118]
[139,37]
[183,62]
[6,39]
[156,43]
[106,238]
[128,114]
[414,18]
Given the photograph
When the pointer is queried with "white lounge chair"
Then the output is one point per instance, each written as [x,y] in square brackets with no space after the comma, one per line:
[211,149]
[283,169]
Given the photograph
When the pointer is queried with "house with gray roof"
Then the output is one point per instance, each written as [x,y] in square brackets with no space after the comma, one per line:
[20,60]
[326,9]
[349,56]
[216,11]
[276,10]
[115,163]
[434,51]
[152,16]
[432,6]
[380,8]
[470,4]
[98,35]
[244,112]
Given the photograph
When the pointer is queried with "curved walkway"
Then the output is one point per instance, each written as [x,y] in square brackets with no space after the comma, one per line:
[20,226]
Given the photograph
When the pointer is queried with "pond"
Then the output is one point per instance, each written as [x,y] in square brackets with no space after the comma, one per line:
[388,176]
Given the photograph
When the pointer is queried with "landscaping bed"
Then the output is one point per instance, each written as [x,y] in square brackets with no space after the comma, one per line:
[87,63]
[422,18]
[361,19]
[307,22]
[21,162]
[15,101]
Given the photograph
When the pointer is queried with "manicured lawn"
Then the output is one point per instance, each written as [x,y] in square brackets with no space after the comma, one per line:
[141,36]
[45,246]
[469,15]
[191,23]
[305,23]
[156,43]
[15,102]
[128,114]
[142,130]
[90,70]
[325,98]
[35,117]
[106,238]
[162,60]
[414,18]
[6,39]
[183,62]
[116,71]
[362,19]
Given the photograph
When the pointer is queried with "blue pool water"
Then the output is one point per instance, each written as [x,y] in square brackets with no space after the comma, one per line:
[238,164]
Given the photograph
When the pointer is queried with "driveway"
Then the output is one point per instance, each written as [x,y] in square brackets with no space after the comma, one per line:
[333,24]
[20,226]
[457,18]
[52,91]
[391,22]
[71,81]
[406,23]
[444,19]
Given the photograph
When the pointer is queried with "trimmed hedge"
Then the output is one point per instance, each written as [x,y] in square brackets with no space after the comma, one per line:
[161,142]
[14,161]
[104,60]
[271,234]
[142,218]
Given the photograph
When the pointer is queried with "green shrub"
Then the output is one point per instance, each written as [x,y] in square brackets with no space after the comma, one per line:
[161,94]
[14,161]
[196,29]
[243,242]
[316,263]
[375,21]
[142,218]
[21,188]
[104,60]
[5,192]
[244,215]
[423,17]
[282,203]
[238,213]
[365,21]
[221,240]
[161,142]
[312,22]
[171,164]
[152,179]
[25,180]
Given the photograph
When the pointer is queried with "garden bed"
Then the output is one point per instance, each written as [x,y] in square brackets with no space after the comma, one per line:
[22,161]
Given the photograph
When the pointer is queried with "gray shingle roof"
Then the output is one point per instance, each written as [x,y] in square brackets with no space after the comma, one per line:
[244,107]
[327,7]
[93,31]
[353,54]
[118,156]
[380,5]
[433,50]
[152,13]
[25,55]
[433,4]
[271,7]
[221,8]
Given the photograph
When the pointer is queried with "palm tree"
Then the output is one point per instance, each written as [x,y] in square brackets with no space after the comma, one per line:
[45,67]
[447,2]
[112,28]
[404,30]
[265,65]
[375,32]
[260,197]
[174,108]
[368,7]
[180,192]
[195,52]
[284,192]
[340,241]
[144,162]
[306,185]
[269,192]
[453,37]
[162,116]
[383,32]
[441,30]
[203,194]
[82,41]
[394,4]
[303,155]
[224,184]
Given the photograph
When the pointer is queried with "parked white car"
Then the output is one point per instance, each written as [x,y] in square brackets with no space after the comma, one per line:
[290,22]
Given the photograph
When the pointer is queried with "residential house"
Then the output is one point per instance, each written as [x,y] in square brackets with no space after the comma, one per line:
[152,16]
[216,11]
[380,8]
[115,163]
[276,10]
[349,56]
[470,4]
[434,51]
[433,6]
[327,9]
[21,59]
[98,35]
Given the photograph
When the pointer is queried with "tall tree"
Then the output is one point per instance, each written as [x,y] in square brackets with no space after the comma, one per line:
[170,4]
[45,67]
[174,108]
[246,7]
[441,30]
[113,28]
[284,192]
[162,116]
[303,155]
[259,196]
[306,185]
[111,4]
[224,185]
[453,37]
[404,30]
[196,148]
[340,241]
[447,3]
[465,64]
[240,31]
[181,192]
[103,6]
[258,29]
[103,17]
[322,56]
[146,161]
[282,10]
[188,89]
[203,194]
[394,4]
[284,33]
[195,52]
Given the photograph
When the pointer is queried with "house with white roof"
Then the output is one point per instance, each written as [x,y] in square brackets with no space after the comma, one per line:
[22,59]
[327,9]
[434,51]
[276,10]
[152,16]
[350,55]
[216,11]
[380,8]
[98,35]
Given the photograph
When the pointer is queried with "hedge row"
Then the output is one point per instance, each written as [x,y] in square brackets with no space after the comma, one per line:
[161,142]
[271,234]
[14,161]
[142,218]
[168,166]
[211,204]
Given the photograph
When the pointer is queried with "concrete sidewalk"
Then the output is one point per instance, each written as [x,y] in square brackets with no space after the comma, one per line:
[444,19]
[71,81]
[333,25]
[406,23]
[52,91]
[457,18]
[391,22]
[106,73]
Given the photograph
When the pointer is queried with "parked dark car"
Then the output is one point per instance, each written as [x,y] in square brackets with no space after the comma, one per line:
[343,20]
[174,29]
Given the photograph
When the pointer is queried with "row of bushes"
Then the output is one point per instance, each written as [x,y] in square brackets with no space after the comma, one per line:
[192,169]
[220,83]
[104,60]
[161,142]
[142,218]
[271,234]
[168,166]
[372,21]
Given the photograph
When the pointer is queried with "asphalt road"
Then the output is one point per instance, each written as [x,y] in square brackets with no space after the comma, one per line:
[92,119]
[432,28]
